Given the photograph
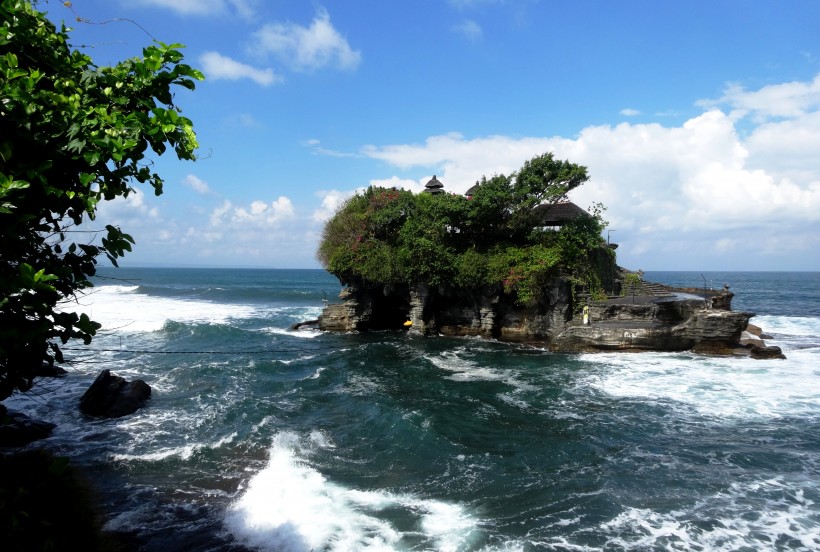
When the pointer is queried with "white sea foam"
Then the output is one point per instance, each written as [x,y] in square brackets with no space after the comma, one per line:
[304,334]
[788,326]
[464,369]
[713,386]
[744,517]
[121,309]
[184,452]
[291,507]
[723,386]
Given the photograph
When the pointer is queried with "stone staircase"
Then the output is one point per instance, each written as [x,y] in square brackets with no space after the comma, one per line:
[650,288]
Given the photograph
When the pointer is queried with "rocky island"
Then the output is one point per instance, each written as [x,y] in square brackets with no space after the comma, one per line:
[513,260]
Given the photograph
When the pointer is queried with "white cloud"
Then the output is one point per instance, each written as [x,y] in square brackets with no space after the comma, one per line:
[317,148]
[678,196]
[258,215]
[791,99]
[243,8]
[470,29]
[415,186]
[197,184]
[629,112]
[700,195]
[307,48]
[460,162]
[128,212]
[331,200]
[217,67]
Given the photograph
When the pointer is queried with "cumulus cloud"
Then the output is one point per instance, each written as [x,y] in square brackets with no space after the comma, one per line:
[219,67]
[331,201]
[460,160]
[415,186]
[307,48]
[791,99]
[698,195]
[258,215]
[129,211]
[680,193]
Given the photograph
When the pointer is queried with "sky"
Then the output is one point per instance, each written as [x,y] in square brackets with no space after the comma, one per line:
[698,121]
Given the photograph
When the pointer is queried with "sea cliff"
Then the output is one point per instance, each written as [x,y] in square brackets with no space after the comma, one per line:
[652,318]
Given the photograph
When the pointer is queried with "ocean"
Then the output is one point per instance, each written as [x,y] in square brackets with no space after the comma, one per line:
[258,437]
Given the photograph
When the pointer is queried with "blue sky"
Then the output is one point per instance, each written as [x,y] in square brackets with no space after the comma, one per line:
[699,121]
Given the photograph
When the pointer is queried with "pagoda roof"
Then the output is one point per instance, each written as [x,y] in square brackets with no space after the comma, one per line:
[557,214]
[434,186]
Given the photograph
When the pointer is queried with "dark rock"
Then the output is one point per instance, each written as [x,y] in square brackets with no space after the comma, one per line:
[50,371]
[652,327]
[766,352]
[17,429]
[299,325]
[667,320]
[112,396]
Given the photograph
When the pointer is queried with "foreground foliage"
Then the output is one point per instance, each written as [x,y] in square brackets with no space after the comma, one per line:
[73,134]
[493,237]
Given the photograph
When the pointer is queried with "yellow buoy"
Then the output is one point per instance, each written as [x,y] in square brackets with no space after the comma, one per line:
[408,323]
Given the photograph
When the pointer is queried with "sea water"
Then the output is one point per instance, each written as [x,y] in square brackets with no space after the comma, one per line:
[259,437]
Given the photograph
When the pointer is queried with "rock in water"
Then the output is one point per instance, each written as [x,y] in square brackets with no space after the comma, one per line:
[17,429]
[770,351]
[112,396]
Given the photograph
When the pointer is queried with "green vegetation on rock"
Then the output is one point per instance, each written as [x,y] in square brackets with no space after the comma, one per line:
[492,238]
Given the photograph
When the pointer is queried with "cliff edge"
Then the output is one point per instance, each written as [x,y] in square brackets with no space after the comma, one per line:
[657,318]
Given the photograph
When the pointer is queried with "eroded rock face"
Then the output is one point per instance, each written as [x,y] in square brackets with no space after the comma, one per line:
[715,331]
[653,327]
[342,317]
[112,396]
[669,322]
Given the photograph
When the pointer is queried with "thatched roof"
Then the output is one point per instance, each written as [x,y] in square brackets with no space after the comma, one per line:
[473,189]
[434,186]
[557,214]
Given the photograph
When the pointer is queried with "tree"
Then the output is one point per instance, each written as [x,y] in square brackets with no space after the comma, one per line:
[71,135]
[387,236]
[541,180]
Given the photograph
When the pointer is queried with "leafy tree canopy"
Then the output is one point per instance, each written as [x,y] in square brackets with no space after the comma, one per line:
[491,238]
[71,135]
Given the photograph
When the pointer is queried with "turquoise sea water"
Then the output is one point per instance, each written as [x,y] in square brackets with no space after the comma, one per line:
[262,438]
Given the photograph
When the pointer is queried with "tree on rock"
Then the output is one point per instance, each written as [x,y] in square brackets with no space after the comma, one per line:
[71,135]
[495,237]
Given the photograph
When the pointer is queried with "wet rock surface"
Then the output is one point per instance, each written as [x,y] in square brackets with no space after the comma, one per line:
[661,319]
